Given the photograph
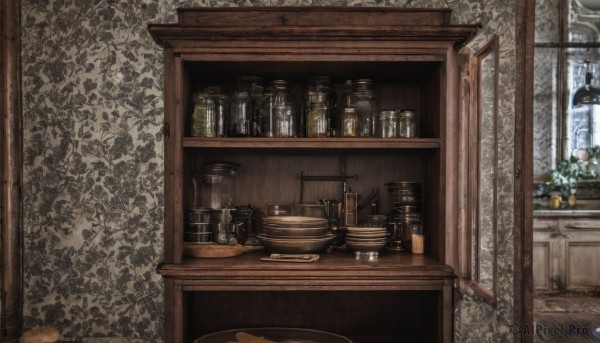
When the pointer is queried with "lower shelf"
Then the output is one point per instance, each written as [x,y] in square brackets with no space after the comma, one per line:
[338,270]
[361,316]
[397,295]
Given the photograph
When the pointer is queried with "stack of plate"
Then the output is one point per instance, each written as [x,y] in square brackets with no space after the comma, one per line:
[366,241]
[295,234]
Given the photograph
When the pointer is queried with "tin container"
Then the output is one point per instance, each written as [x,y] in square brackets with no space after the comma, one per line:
[204,237]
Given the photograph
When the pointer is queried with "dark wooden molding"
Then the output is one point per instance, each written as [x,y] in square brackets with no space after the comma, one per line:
[11,176]
[523,185]
[291,23]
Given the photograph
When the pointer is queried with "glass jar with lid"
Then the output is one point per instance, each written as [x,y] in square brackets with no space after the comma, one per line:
[240,121]
[253,85]
[222,108]
[366,107]
[317,120]
[203,115]
[349,122]
[406,124]
[319,97]
[278,119]
[389,124]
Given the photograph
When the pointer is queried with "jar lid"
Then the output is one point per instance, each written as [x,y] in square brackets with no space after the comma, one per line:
[362,84]
[201,96]
[349,109]
[388,114]
[407,112]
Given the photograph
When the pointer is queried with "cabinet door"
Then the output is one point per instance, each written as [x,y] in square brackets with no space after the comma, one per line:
[546,246]
[582,254]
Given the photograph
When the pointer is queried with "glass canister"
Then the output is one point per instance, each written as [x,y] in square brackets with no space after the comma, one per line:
[213,186]
[406,124]
[240,120]
[222,114]
[203,115]
[349,122]
[389,124]
[366,107]
[253,85]
[222,107]
[348,99]
[317,120]
[278,119]
[318,97]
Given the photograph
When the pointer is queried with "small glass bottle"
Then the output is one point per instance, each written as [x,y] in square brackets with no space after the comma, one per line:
[417,237]
[389,124]
[349,122]
[406,124]
[317,121]
[203,116]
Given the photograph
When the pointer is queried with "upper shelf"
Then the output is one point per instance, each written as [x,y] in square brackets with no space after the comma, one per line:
[312,143]
[314,23]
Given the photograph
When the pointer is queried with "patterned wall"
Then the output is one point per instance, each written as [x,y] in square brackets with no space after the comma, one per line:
[93,163]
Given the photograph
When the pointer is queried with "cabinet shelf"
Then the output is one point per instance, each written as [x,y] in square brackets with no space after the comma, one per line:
[339,269]
[312,143]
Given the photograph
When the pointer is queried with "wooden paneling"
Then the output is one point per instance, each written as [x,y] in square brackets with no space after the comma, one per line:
[583,265]
[10,249]
[572,256]
[541,266]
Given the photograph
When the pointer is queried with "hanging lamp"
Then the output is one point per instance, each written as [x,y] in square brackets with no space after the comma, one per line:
[587,94]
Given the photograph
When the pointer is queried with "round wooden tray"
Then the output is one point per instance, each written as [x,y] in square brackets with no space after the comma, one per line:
[211,250]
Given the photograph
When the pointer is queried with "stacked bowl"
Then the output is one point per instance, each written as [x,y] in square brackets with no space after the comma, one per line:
[295,234]
[366,241]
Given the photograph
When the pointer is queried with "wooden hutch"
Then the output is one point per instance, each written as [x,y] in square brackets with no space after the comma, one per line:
[411,54]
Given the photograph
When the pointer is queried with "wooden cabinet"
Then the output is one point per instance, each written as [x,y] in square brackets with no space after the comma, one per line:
[411,57]
[566,253]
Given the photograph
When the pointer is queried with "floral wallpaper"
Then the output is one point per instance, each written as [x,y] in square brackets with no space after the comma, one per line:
[93,163]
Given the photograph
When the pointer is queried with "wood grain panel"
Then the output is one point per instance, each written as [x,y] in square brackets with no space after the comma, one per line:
[583,265]
[541,266]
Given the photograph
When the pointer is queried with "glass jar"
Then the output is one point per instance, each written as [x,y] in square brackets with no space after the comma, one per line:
[253,85]
[317,120]
[222,114]
[240,120]
[278,119]
[389,124]
[366,107]
[203,115]
[213,186]
[318,94]
[407,124]
[348,99]
[349,122]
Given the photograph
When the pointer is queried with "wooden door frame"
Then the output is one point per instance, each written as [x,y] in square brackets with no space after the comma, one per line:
[523,157]
[10,135]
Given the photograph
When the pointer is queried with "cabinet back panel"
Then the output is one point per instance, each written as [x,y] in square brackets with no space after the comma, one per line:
[274,178]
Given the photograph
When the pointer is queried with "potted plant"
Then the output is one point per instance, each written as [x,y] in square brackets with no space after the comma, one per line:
[564,181]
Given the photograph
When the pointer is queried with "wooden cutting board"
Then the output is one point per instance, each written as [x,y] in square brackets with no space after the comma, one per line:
[212,250]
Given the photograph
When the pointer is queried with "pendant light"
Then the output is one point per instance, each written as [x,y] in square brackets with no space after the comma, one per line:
[587,94]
